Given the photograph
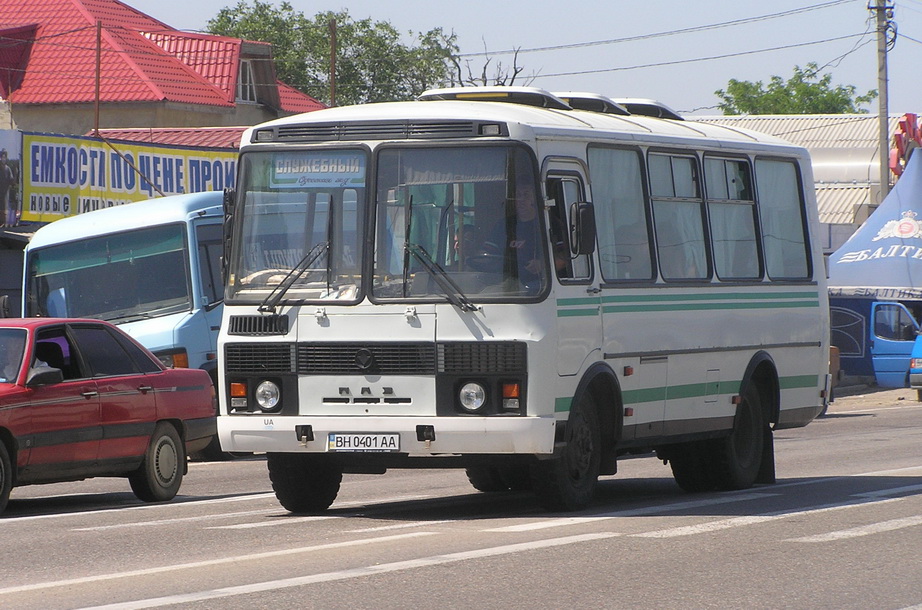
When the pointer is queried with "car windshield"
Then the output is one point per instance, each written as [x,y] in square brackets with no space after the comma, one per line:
[118,277]
[12,344]
[472,212]
[295,204]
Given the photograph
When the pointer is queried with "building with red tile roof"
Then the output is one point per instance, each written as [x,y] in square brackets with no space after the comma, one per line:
[58,57]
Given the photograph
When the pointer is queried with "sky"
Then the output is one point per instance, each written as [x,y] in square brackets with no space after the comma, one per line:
[616,48]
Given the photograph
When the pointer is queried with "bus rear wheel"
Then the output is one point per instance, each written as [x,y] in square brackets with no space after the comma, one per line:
[691,465]
[568,481]
[302,482]
[738,456]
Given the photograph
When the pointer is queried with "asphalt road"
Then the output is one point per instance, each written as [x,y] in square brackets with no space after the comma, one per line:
[842,528]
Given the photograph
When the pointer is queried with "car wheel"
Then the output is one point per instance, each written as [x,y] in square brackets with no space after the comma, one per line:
[160,475]
[304,483]
[6,476]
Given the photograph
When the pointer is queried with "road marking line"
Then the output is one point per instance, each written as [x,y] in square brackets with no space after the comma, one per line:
[893,491]
[713,526]
[210,517]
[635,512]
[281,521]
[864,530]
[399,526]
[103,511]
[210,562]
[360,572]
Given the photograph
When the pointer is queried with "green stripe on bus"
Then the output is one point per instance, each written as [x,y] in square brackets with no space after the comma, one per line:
[699,390]
[799,381]
[571,313]
[710,296]
[578,301]
[562,405]
[707,306]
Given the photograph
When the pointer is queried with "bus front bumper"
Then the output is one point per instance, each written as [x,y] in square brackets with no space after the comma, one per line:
[414,436]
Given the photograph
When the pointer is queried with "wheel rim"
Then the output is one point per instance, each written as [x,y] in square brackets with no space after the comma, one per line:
[166,461]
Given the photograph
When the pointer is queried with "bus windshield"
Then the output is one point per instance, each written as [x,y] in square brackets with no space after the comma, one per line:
[296,204]
[116,277]
[464,217]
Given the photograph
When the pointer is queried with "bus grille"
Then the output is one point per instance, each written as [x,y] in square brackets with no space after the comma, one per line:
[385,130]
[255,326]
[482,357]
[463,357]
[259,358]
[366,358]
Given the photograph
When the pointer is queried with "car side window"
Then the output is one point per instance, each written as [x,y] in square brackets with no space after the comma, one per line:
[102,352]
[142,360]
[53,348]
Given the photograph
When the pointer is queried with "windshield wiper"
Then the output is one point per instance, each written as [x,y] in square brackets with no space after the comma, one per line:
[269,305]
[452,291]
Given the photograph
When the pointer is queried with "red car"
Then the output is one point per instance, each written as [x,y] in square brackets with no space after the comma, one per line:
[81,399]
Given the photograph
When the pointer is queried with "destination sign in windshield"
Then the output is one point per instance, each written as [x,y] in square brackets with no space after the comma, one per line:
[318,169]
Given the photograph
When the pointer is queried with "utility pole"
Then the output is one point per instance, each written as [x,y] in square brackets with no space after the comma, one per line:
[884,12]
[332,63]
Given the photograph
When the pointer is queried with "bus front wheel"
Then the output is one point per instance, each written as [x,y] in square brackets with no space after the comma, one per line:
[568,481]
[304,483]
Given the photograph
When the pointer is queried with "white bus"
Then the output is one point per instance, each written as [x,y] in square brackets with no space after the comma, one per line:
[492,279]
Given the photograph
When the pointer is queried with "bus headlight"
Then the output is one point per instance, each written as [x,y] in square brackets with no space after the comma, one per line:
[268,395]
[472,396]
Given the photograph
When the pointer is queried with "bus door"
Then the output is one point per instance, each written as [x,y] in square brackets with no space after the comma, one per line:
[893,333]
[209,239]
[579,324]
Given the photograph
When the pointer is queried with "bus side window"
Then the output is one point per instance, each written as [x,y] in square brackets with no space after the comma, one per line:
[678,217]
[564,191]
[621,214]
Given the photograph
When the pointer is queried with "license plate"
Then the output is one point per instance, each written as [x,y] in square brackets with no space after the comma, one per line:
[358,442]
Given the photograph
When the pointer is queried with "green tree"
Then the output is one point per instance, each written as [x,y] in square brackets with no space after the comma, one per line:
[372,64]
[804,93]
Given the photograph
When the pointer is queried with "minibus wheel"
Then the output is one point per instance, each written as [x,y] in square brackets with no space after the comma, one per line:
[302,482]
[568,481]
[739,455]
[691,466]
[486,478]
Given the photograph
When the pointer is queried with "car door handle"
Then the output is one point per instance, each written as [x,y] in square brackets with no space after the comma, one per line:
[89,394]
[144,389]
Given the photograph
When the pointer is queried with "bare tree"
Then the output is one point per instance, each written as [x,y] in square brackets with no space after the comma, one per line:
[463,75]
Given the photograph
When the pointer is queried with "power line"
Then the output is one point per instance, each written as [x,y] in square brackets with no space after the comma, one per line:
[702,28]
[710,58]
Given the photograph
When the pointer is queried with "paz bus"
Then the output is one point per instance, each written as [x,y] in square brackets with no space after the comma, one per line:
[525,285]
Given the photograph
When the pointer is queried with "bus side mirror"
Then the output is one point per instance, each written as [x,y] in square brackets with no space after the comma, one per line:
[582,228]
[5,310]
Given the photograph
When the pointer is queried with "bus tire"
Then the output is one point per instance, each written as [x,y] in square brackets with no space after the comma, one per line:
[691,465]
[304,483]
[486,478]
[160,474]
[517,478]
[739,455]
[568,481]
[6,476]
